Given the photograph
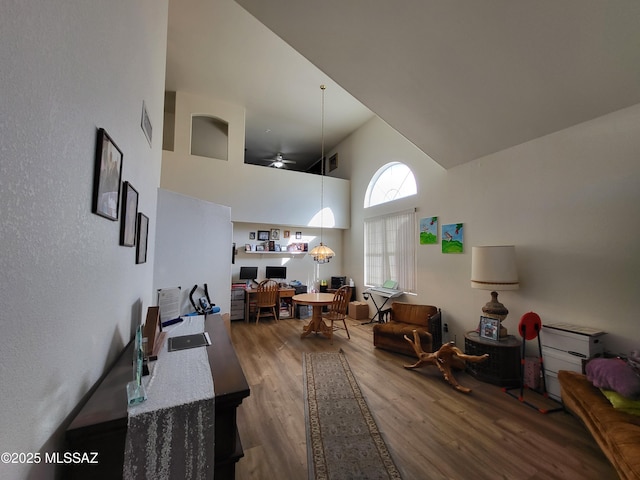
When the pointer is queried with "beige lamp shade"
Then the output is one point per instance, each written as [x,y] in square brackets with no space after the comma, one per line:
[494,268]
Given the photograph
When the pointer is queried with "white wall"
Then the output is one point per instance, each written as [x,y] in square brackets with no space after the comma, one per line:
[299,267]
[254,193]
[70,294]
[569,202]
[193,247]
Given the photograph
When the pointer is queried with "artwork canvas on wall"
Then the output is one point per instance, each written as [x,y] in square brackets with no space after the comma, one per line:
[428,231]
[453,238]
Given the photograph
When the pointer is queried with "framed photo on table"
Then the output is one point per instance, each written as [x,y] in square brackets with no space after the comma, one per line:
[489,328]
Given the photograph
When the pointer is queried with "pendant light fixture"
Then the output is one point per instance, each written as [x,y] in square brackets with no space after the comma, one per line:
[322,253]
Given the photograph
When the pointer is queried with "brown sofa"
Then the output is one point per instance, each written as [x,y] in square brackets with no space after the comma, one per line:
[616,432]
[400,320]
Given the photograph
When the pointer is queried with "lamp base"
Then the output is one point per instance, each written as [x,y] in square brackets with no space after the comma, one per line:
[503,331]
[495,309]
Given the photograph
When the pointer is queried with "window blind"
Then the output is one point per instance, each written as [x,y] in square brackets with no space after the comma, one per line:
[390,250]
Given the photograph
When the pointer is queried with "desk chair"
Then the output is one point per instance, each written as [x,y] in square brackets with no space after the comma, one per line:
[267,298]
[338,310]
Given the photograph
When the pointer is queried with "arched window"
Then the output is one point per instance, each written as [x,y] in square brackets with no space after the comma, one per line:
[392,181]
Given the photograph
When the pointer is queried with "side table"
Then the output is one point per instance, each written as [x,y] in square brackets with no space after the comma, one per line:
[503,365]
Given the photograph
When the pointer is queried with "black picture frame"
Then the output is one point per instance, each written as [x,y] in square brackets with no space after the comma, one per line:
[489,328]
[107,178]
[264,235]
[129,215]
[142,237]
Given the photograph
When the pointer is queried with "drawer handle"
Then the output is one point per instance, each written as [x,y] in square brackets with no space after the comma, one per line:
[577,354]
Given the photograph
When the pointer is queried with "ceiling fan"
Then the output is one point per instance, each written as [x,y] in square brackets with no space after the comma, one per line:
[278,162]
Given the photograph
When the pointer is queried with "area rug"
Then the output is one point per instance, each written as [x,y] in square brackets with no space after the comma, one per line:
[343,440]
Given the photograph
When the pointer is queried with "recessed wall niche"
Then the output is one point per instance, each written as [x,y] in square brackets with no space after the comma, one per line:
[209,137]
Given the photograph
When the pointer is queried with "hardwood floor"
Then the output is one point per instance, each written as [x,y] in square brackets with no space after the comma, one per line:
[432,431]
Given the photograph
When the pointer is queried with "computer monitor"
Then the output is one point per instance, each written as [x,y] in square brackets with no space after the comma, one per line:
[337,282]
[276,272]
[248,273]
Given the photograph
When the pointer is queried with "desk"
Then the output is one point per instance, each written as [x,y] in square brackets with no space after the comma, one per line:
[317,301]
[285,292]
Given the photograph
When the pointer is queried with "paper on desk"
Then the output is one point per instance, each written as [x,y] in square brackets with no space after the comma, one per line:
[169,302]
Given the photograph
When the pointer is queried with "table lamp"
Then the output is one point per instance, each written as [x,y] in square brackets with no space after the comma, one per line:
[494,268]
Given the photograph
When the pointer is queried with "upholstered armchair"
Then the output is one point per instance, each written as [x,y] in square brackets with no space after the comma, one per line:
[400,320]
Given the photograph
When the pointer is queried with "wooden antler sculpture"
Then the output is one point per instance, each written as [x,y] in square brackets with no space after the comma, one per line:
[448,357]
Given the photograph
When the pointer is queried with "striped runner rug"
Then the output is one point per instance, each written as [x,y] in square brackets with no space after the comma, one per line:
[343,440]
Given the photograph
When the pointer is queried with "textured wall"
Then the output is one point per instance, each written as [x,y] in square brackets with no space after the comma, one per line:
[69,293]
[293,197]
[569,202]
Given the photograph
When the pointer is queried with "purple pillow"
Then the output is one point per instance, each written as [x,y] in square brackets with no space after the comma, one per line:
[614,374]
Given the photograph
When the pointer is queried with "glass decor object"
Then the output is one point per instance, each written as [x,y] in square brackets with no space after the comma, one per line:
[135,389]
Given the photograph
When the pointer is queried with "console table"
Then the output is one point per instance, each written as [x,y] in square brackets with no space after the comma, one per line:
[101,424]
[503,365]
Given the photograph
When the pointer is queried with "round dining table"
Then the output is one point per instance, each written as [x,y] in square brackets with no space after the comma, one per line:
[317,301]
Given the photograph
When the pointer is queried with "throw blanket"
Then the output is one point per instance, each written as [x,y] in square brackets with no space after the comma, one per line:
[171,434]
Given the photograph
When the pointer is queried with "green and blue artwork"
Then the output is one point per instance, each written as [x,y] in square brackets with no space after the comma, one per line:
[428,230]
[453,238]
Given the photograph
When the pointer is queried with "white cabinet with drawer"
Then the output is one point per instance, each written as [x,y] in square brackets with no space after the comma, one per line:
[564,347]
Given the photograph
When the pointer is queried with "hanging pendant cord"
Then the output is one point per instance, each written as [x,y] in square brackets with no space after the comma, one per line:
[322,87]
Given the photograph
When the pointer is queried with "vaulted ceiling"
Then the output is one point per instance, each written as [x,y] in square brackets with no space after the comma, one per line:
[460,79]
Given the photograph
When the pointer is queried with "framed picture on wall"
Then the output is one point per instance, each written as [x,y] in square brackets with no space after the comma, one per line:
[145,123]
[129,215]
[263,235]
[107,178]
[275,234]
[252,235]
[142,236]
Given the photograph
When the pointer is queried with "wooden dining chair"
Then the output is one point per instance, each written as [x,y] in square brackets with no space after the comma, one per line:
[338,310]
[267,299]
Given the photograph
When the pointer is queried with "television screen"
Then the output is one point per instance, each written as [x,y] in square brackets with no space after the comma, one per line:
[248,273]
[276,272]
